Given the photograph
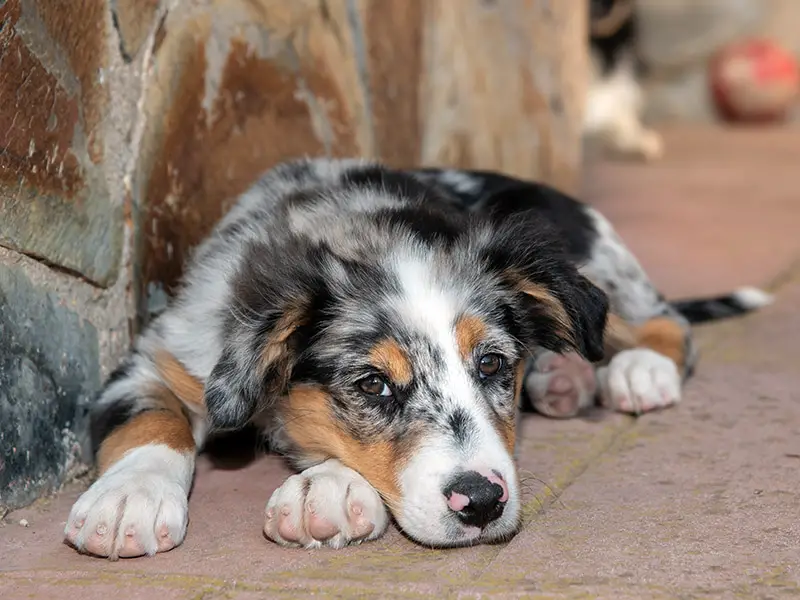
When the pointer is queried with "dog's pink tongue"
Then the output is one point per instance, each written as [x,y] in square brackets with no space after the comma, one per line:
[457,501]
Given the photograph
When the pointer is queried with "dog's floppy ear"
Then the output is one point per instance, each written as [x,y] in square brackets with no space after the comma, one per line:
[272,297]
[556,307]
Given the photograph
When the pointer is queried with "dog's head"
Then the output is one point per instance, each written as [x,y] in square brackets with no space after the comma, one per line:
[400,352]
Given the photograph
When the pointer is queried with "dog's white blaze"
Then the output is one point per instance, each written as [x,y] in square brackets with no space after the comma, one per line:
[433,309]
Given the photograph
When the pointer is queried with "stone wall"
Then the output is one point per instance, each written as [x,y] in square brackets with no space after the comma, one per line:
[128,126]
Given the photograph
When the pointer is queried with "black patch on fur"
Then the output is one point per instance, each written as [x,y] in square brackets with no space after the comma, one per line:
[529,247]
[106,418]
[612,49]
[566,215]
[461,424]
[394,183]
[502,198]
[429,224]
[122,371]
[703,310]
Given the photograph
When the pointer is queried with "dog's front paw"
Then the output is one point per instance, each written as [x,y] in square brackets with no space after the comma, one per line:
[137,507]
[326,505]
[639,380]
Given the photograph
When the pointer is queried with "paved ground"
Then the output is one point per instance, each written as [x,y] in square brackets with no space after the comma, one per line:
[699,501]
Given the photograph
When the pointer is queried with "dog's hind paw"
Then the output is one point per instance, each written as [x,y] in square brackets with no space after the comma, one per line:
[326,505]
[561,384]
[639,380]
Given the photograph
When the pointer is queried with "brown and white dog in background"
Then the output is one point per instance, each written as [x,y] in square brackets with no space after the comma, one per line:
[380,328]
[613,113]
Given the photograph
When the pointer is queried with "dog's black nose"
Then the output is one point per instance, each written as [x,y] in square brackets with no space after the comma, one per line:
[476,500]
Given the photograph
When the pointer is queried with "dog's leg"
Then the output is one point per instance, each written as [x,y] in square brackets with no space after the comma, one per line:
[649,346]
[326,505]
[647,364]
[142,428]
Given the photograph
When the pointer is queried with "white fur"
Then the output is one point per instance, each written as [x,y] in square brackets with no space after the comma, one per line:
[613,108]
[460,181]
[639,380]
[752,298]
[138,506]
[329,498]
[424,514]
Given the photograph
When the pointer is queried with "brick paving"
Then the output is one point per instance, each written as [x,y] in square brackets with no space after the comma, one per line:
[698,501]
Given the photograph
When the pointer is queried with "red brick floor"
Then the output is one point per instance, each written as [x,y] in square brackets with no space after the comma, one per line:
[721,210]
[698,501]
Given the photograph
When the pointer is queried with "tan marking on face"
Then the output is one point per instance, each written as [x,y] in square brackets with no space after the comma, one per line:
[470,331]
[389,357]
[151,427]
[509,431]
[555,309]
[186,387]
[312,427]
[662,334]
[507,428]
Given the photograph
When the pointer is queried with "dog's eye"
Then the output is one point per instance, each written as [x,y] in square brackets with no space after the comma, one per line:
[375,385]
[490,364]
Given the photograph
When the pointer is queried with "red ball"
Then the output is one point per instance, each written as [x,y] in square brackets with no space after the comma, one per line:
[754,81]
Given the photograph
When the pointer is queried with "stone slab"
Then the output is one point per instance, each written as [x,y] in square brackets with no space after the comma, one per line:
[49,370]
[54,201]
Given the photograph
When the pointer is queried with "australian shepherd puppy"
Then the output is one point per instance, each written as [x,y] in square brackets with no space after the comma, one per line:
[380,327]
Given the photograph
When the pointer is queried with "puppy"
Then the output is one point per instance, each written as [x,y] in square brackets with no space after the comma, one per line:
[379,327]
[614,102]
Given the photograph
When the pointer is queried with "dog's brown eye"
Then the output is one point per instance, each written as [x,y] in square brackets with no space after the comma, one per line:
[490,364]
[375,385]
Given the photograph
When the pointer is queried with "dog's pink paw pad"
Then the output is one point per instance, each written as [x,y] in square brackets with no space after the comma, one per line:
[561,384]
[131,546]
[319,527]
[99,542]
[71,532]
[286,527]
[330,505]
[165,541]
[360,525]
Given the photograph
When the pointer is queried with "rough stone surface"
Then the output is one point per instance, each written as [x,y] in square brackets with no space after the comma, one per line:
[49,369]
[698,501]
[65,151]
[54,200]
[134,19]
[235,91]
[238,85]
[524,117]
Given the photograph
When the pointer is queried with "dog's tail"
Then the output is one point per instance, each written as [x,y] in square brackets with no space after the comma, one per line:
[738,302]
